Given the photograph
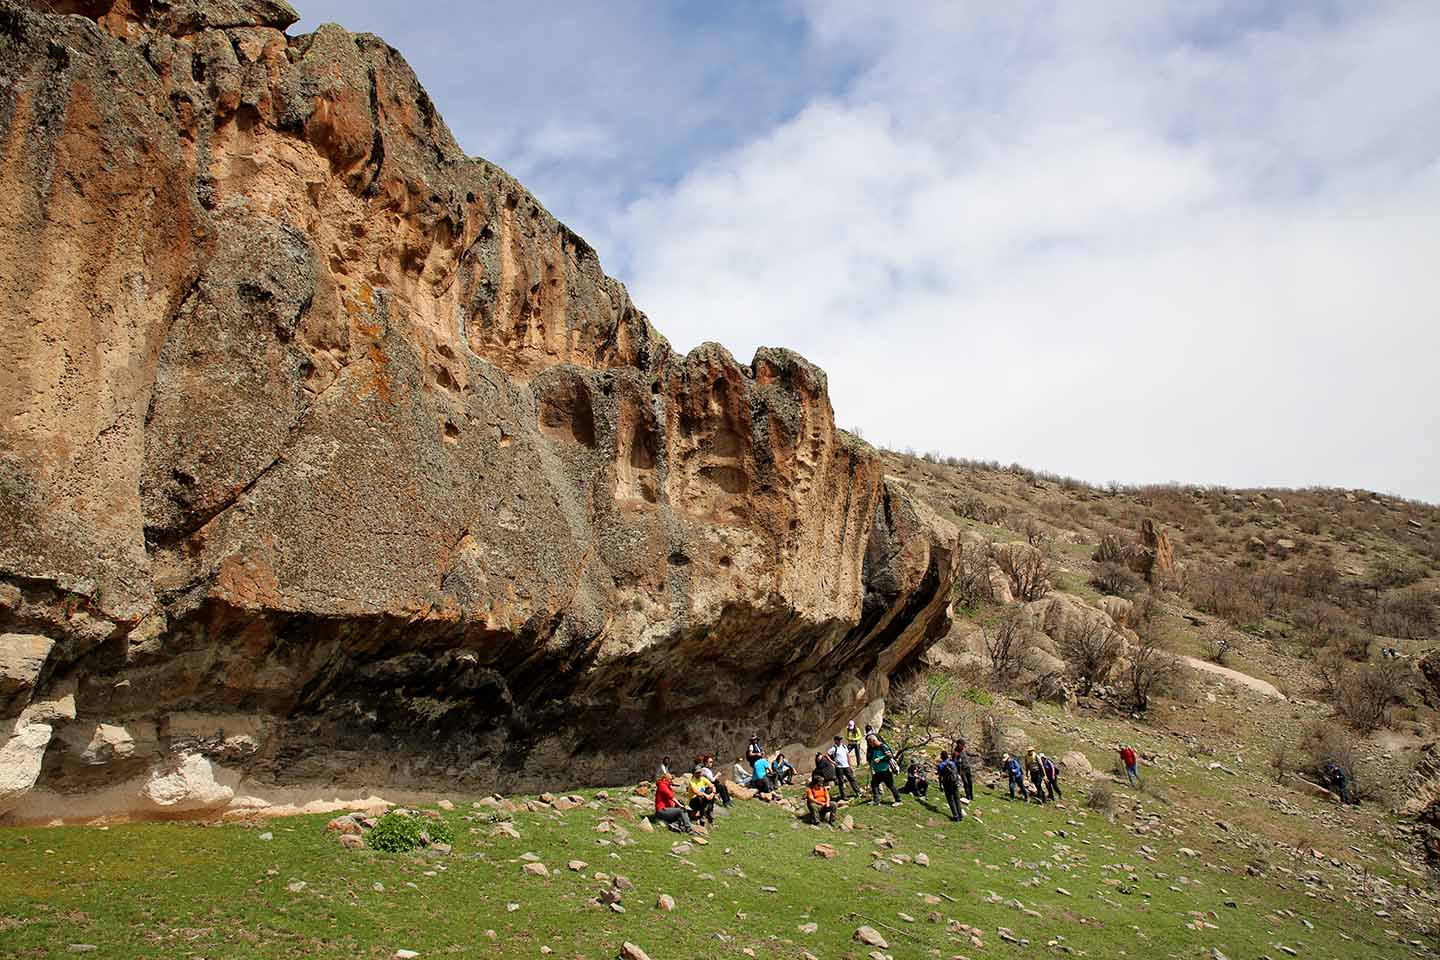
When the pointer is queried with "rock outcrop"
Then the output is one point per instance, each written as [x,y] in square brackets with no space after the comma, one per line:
[328,456]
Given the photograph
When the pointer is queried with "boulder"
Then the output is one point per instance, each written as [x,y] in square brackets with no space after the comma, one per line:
[363,389]
[22,657]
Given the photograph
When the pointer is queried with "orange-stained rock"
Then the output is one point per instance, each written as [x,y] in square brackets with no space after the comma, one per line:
[306,416]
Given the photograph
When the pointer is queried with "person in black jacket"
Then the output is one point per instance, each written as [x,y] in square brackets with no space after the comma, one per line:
[961,759]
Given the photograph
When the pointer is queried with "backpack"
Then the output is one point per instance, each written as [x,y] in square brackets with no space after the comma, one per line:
[948,775]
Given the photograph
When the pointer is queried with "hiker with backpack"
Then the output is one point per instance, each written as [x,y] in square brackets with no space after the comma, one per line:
[1037,774]
[1131,762]
[840,756]
[754,750]
[1335,775]
[1015,777]
[949,776]
[668,810]
[824,768]
[882,769]
[961,759]
[818,804]
[1052,776]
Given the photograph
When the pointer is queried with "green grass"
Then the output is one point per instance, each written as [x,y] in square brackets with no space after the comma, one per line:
[185,890]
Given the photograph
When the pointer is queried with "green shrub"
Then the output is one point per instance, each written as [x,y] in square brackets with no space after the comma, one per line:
[978,696]
[400,832]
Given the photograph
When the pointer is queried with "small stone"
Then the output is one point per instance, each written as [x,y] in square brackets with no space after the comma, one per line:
[378,887]
[83,948]
[267,835]
[577,865]
[351,842]
[825,851]
[666,902]
[295,886]
[445,805]
[870,937]
[405,955]
[808,927]
[645,826]
[536,870]
[921,860]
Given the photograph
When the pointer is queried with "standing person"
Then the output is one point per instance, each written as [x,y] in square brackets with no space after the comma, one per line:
[1015,776]
[840,756]
[784,770]
[1052,776]
[917,784]
[754,750]
[949,776]
[1338,781]
[817,802]
[1127,757]
[667,809]
[882,769]
[825,768]
[702,796]
[1037,773]
[707,767]
[663,770]
[961,759]
[852,739]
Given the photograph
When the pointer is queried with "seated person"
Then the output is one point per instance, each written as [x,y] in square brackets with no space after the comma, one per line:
[707,767]
[742,772]
[916,781]
[817,802]
[667,809]
[783,770]
[702,796]
[762,781]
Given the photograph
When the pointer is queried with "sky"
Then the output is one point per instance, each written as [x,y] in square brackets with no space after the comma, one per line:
[1137,241]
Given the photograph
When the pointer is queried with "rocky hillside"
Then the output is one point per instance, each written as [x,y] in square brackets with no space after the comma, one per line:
[330,459]
[1319,609]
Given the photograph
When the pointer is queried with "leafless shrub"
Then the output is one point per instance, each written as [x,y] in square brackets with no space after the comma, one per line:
[923,710]
[1219,640]
[1115,579]
[1101,799]
[1027,568]
[1408,613]
[1007,643]
[972,577]
[1324,743]
[1280,760]
[1224,592]
[1365,691]
[1090,648]
[1387,573]
[1035,534]
[1111,549]
[1154,672]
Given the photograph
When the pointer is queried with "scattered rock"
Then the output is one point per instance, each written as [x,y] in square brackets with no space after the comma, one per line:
[825,851]
[666,902]
[870,937]
[536,870]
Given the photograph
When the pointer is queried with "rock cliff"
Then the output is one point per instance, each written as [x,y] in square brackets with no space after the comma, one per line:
[329,459]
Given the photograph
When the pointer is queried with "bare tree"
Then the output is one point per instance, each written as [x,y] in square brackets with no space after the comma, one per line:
[1027,568]
[1364,693]
[972,576]
[1035,533]
[1218,642]
[1007,645]
[1090,648]
[923,710]
[1153,672]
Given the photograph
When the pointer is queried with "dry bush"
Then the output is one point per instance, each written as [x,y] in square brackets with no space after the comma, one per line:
[996,740]
[1111,549]
[1364,693]
[1387,573]
[1225,592]
[1090,649]
[1280,760]
[1035,534]
[1101,799]
[1330,665]
[1408,613]
[1146,611]
[1007,643]
[1219,640]
[972,577]
[1115,579]
[925,709]
[1027,568]
[1155,672]
[1325,742]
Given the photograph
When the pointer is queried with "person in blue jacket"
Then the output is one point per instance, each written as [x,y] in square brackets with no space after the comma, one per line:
[1016,776]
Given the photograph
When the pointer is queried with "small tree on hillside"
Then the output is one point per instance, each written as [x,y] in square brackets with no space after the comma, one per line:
[1027,568]
[1153,672]
[1090,649]
[972,576]
[925,709]
[1008,644]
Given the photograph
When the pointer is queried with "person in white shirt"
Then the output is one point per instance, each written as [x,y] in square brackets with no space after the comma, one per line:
[840,755]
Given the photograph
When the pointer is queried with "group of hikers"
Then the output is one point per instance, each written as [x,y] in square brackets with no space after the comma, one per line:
[835,766]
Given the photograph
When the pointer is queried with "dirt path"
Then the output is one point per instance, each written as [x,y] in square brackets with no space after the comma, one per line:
[1242,679]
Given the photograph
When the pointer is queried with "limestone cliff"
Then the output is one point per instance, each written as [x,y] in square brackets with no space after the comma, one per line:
[328,457]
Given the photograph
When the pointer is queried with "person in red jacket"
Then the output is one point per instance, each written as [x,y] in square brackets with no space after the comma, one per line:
[1127,757]
[667,809]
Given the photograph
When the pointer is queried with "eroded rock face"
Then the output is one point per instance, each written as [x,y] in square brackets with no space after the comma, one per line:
[328,456]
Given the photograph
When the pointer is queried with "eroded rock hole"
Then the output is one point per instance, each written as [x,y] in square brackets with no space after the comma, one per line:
[565,414]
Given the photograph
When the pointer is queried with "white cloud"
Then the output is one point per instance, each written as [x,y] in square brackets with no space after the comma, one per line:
[1162,243]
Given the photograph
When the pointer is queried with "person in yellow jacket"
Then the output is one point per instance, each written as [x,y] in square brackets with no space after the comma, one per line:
[852,740]
[702,797]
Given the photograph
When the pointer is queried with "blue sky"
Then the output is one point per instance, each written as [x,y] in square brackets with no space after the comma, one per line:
[1144,240]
